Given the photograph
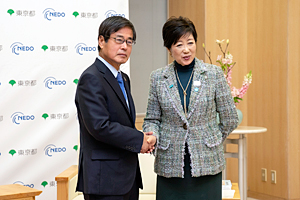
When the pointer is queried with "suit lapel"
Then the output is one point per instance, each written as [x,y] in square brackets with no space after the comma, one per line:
[199,82]
[112,81]
[171,87]
[130,100]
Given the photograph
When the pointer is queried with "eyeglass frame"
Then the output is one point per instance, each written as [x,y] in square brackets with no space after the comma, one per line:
[123,40]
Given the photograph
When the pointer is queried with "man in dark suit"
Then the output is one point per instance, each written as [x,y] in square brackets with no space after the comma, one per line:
[109,142]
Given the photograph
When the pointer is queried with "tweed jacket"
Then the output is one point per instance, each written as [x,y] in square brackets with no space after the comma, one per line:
[210,94]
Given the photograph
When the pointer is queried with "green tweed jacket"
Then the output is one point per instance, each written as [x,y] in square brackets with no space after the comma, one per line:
[210,94]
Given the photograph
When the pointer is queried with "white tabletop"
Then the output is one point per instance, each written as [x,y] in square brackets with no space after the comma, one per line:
[248,130]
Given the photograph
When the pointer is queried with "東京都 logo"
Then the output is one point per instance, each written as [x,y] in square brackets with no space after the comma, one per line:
[111,13]
[21,183]
[18,117]
[19,47]
[81,47]
[51,81]
[50,13]
[51,149]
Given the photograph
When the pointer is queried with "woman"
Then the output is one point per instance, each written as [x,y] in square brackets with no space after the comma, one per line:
[183,103]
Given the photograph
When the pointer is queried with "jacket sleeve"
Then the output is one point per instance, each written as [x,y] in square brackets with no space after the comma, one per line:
[92,106]
[153,115]
[225,106]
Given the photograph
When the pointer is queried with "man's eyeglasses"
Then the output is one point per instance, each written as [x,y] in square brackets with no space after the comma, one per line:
[121,40]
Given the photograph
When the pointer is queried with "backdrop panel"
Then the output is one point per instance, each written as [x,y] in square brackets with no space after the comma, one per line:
[44,47]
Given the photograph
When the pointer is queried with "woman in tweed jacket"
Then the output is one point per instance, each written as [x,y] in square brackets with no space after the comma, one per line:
[183,103]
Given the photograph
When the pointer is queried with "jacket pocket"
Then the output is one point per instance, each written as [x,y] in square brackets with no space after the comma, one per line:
[213,137]
[163,144]
[105,154]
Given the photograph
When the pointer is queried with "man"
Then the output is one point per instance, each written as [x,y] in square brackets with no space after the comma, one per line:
[109,142]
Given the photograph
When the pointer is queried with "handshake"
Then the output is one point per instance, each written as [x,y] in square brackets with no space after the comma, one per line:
[148,143]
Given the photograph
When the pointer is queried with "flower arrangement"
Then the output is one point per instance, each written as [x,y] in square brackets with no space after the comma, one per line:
[226,62]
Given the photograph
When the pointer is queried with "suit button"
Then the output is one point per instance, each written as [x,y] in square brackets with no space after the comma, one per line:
[184,126]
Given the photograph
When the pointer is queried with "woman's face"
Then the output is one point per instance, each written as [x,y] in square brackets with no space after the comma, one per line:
[184,51]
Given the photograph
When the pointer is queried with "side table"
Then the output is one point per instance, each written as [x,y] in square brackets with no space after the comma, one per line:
[242,154]
[16,191]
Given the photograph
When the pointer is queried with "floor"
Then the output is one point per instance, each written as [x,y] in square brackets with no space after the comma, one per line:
[249,198]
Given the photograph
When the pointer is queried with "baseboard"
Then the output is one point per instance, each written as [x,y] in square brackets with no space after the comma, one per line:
[261,196]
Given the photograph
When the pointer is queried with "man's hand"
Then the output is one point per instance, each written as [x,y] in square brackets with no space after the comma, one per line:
[148,143]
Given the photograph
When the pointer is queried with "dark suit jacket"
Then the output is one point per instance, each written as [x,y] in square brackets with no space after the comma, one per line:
[109,141]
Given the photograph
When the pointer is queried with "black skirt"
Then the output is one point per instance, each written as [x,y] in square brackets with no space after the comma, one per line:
[189,188]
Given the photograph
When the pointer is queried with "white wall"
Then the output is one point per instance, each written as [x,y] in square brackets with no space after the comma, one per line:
[148,17]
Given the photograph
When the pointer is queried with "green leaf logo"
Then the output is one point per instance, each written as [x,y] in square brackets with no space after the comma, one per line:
[44,183]
[12,82]
[75,147]
[44,47]
[75,81]
[45,115]
[10,11]
[12,152]
[75,13]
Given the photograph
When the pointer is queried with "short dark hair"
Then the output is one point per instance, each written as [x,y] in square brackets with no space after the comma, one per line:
[175,28]
[112,24]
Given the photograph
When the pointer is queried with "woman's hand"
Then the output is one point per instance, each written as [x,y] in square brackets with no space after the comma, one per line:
[151,141]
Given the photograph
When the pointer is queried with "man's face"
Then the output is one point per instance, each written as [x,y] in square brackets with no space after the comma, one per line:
[114,53]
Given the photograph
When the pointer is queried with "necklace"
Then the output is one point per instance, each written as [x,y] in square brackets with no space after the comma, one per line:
[184,90]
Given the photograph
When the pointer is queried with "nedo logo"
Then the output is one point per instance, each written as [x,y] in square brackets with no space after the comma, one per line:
[111,13]
[51,148]
[81,47]
[18,47]
[21,183]
[51,81]
[49,13]
[17,117]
